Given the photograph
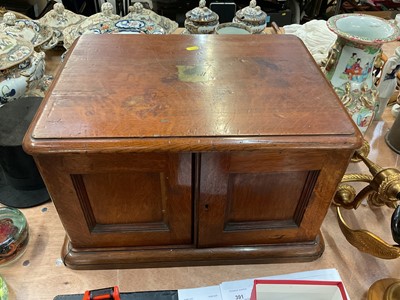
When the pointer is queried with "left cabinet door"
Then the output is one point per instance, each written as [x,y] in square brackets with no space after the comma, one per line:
[121,199]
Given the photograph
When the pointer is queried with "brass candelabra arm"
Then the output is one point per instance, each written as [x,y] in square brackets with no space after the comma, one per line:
[346,195]
[366,241]
[383,184]
[383,188]
[363,151]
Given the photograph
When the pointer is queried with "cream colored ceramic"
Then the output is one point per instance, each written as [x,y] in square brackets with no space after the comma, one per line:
[139,20]
[17,14]
[201,20]
[148,2]
[139,13]
[13,51]
[21,68]
[30,30]
[59,18]
[101,20]
[252,16]
[233,28]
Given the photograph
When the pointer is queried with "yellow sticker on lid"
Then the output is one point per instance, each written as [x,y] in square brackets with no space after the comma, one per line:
[192,48]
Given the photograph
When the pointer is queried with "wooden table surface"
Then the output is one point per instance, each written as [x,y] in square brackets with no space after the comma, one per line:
[40,274]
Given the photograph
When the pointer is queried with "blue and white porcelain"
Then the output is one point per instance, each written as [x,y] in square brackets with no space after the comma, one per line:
[21,68]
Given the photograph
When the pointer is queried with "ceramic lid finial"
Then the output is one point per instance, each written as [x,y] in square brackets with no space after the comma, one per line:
[136,8]
[107,9]
[253,3]
[59,8]
[202,3]
[9,18]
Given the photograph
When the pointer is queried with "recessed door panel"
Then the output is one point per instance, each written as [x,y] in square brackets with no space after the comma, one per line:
[263,200]
[125,199]
[255,198]
[135,200]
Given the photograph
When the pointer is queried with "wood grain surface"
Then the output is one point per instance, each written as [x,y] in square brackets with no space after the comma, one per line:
[193,87]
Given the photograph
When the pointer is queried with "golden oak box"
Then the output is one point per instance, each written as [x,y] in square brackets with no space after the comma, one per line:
[190,150]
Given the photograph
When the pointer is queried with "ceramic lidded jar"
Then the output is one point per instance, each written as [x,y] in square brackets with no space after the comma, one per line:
[59,18]
[252,16]
[138,13]
[41,36]
[201,19]
[21,68]
[98,23]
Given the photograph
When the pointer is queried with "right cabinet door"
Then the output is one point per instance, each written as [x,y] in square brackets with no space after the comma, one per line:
[268,197]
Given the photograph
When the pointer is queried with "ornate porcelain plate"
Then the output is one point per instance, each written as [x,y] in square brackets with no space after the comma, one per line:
[353,27]
[13,51]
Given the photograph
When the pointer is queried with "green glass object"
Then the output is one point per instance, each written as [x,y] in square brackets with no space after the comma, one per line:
[14,235]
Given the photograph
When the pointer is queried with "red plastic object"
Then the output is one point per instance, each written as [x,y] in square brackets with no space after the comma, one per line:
[102,294]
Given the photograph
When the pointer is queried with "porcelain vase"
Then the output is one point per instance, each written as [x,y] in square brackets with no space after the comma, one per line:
[350,62]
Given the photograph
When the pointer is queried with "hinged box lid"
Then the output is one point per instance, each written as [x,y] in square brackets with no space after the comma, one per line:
[259,89]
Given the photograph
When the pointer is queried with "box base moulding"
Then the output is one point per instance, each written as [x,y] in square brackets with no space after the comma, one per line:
[125,257]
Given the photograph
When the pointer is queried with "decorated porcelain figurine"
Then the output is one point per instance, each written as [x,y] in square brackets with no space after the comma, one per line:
[349,66]
[21,68]
[252,16]
[201,20]
[387,83]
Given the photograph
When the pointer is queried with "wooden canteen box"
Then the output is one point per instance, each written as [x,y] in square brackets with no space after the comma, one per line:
[190,150]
